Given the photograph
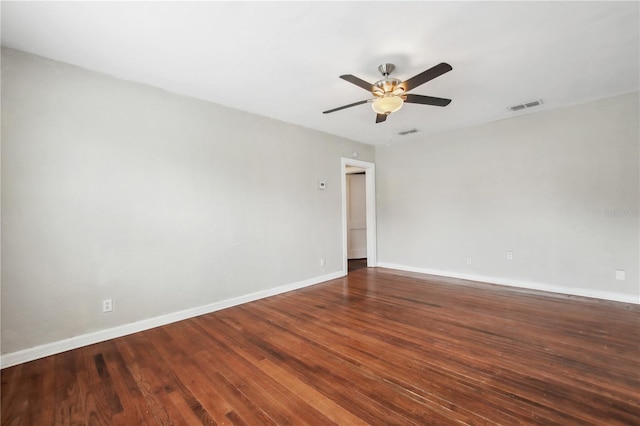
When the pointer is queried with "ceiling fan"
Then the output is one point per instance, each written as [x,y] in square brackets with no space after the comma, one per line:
[390,93]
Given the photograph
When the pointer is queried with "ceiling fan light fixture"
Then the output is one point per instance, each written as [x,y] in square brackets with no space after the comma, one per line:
[387,104]
[390,93]
[397,91]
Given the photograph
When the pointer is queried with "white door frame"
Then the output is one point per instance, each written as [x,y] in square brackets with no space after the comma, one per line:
[370,190]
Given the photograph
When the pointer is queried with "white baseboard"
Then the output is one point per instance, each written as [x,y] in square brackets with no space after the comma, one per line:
[26,355]
[531,285]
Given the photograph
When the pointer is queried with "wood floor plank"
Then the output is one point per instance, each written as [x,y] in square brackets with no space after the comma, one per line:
[405,343]
[259,386]
[377,347]
[400,370]
[336,369]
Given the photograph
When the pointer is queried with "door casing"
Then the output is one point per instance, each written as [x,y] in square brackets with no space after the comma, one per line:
[370,190]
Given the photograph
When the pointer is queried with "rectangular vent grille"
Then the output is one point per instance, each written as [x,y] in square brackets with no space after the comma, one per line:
[406,132]
[525,105]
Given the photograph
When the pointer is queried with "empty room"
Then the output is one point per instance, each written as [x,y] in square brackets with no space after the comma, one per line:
[313,213]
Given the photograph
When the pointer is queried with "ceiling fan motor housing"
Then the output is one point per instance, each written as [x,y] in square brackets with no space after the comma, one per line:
[387,86]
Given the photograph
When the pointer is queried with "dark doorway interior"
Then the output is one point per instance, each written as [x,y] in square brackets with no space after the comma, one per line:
[355,264]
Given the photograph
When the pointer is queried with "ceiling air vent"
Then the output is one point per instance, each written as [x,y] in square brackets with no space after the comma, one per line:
[526,105]
[407,132]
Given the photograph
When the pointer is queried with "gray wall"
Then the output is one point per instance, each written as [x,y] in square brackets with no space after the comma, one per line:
[560,189]
[113,189]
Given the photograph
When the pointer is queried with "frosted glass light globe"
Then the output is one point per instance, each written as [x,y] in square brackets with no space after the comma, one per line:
[387,104]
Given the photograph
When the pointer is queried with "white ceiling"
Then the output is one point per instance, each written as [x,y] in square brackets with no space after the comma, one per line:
[283,59]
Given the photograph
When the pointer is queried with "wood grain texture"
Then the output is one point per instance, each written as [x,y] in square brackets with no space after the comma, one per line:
[376,347]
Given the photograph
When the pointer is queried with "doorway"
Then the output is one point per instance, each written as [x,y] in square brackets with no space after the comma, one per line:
[364,234]
[356,219]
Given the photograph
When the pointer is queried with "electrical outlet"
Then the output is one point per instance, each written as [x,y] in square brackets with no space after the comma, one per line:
[468,260]
[621,274]
[322,262]
[107,305]
[509,255]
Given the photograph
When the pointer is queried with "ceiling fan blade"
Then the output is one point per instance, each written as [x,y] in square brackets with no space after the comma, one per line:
[345,106]
[426,100]
[381,117]
[358,82]
[427,75]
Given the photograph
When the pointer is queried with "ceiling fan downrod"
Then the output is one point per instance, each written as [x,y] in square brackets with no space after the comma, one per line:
[386,69]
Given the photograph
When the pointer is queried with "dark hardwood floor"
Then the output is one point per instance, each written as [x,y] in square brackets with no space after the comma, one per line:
[379,347]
